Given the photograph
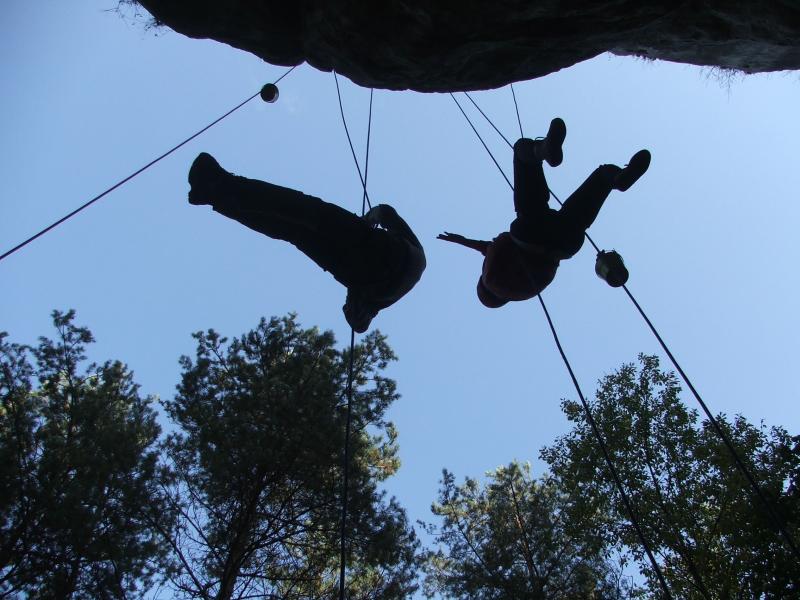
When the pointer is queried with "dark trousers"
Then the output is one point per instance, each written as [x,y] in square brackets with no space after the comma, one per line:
[338,241]
[558,231]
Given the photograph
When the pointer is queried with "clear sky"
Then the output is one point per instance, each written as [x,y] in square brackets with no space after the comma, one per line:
[709,234]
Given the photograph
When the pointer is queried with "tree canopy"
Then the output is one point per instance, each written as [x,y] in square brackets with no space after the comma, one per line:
[257,459]
[242,499]
[78,472]
[711,536]
[512,538]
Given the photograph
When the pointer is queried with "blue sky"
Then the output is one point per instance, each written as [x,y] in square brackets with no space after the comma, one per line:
[709,234]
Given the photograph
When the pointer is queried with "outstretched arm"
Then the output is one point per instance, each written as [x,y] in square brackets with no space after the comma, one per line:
[456,238]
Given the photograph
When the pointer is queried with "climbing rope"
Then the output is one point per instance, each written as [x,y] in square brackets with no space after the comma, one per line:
[773,517]
[366,157]
[349,140]
[497,164]
[346,469]
[348,422]
[135,173]
[598,436]
[488,120]
[516,106]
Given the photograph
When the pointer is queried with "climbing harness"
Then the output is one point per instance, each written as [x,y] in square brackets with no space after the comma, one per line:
[273,92]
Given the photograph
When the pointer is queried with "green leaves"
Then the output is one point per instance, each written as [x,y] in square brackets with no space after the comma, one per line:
[510,538]
[712,536]
[79,477]
[242,498]
[258,465]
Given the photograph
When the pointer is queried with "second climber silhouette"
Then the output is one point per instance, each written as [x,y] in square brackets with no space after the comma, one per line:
[521,262]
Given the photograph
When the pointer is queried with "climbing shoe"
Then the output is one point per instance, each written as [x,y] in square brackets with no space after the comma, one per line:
[205,177]
[550,149]
[637,167]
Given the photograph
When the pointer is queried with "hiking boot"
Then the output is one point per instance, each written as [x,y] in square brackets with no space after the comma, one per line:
[205,179]
[550,147]
[637,167]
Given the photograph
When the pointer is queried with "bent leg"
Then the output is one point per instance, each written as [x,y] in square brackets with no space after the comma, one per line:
[582,207]
[580,210]
[531,193]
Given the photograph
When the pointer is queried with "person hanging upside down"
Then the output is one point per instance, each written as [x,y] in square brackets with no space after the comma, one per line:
[521,262]
[377,266]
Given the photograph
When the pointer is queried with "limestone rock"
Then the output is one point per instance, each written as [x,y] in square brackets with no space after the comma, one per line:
[448,45]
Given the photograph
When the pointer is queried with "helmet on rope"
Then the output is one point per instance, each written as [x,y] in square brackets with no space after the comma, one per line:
[610,267]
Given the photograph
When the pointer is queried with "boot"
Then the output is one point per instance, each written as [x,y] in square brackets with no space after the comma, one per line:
[205,179]
[633,170]
[549,148]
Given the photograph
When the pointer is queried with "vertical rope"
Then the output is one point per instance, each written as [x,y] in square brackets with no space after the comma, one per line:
[349,140]
[348,423]
[366,157]
[346,468]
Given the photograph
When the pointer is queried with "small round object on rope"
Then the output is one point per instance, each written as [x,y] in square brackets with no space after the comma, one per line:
[610,267]
[269,93]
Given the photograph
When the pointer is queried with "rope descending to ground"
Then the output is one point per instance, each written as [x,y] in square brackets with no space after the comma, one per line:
[348,423]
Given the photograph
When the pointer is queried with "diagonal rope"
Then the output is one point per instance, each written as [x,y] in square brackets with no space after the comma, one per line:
[596,431]
[349,419]
[134,174]
[488,120]
[755,488]
[773,517]
[516,106]
[350,141]
[499,168]
[606,456]
[776,521]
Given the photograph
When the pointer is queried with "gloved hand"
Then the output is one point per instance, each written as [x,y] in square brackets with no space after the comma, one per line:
[451,237]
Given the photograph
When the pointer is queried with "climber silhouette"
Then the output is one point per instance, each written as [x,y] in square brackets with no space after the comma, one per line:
[521,262]
[377,266]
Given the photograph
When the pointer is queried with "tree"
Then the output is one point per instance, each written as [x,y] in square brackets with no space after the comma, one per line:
[510,539]
[711,536]
[258,464]
[79,474]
